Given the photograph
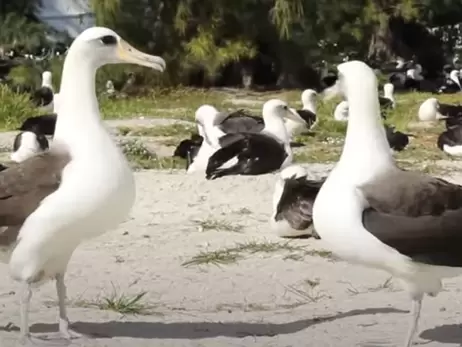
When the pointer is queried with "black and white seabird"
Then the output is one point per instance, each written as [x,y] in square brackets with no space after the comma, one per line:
[188,149]
[293,199]
[255,153]
[450,141]
[206,120]
[432,110]
[370,212]
[27,144]
[77,189]
[44,124]
[451,84]
[43,97]
[387,101]
[307,114]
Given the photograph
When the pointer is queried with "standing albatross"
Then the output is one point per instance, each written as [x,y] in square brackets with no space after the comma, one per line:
[78,189]
[370,212]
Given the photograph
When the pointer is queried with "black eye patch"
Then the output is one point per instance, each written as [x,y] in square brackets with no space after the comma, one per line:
[109,40]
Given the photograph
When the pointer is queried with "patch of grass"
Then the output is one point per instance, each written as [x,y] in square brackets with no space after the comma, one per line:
[233,254]
[219,257]
[119,302]
[178,103]
[14,108]
[177,129]
[221,225]
[309,291]
[124,304]
[141,158]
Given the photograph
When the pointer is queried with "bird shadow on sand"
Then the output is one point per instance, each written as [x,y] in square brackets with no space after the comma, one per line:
[447,334]
[199,330]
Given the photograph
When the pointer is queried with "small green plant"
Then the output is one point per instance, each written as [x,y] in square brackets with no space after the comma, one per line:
[220,257]
[141,158]
[309,291]
[124,304]
[211,224]
[176,129]
[14,108]
[232,254]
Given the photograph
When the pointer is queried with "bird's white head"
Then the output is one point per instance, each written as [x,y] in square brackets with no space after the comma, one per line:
[454,76]
[388,90]
[350,75]
[293,171]
[103,46]
[206,115]
[280,109]
[341,111]
[309,100]
[109,85]
[46,79]
[429,110]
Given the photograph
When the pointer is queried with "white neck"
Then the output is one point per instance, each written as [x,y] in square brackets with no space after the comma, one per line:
[366,148]
[309,105]
[212,132]
[388,94]
[275,126]
[78,106]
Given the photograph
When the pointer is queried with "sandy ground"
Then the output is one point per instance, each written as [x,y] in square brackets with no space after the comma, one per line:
[252,302]
[248,303]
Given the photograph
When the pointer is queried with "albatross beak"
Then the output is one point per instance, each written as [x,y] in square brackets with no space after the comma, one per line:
[131,55]
[293,115]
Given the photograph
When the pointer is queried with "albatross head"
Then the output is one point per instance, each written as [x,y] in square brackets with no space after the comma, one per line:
[454,76]
[46,79]
[103,46]
[388,90]
[429,110]
[280,109]
[309,100]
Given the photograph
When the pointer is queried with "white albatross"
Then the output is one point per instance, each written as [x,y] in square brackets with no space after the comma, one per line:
[77,190]
[370,212]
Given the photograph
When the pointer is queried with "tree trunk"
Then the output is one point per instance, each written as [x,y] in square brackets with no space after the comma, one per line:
[380,47]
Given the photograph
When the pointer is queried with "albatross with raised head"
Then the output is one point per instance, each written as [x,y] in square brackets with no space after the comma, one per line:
[78,189]
[370,212]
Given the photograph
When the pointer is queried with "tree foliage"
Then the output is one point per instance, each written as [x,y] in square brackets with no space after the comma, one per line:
[286,36]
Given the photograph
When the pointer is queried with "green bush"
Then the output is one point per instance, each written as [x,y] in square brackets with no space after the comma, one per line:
[14,108]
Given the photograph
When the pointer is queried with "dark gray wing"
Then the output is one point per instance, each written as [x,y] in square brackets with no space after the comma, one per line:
[296,202]
[241,121]
[308,116]
[418,215]
[24,186]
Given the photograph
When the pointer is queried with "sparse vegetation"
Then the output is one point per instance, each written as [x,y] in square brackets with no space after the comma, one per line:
[232,254]
[141,158]
[125,304]
[218,225]
[308,291]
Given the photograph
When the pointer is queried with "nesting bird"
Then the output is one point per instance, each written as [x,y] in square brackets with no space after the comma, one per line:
[307,113]
[255,153]
[43,97]
[27,144]
[293,199]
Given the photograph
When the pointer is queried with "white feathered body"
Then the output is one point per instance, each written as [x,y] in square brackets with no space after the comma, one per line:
[90,200]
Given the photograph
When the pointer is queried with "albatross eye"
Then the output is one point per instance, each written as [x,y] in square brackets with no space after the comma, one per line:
[109,40]
[285,107]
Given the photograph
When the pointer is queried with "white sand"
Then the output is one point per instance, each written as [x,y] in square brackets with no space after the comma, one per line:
[243,304]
